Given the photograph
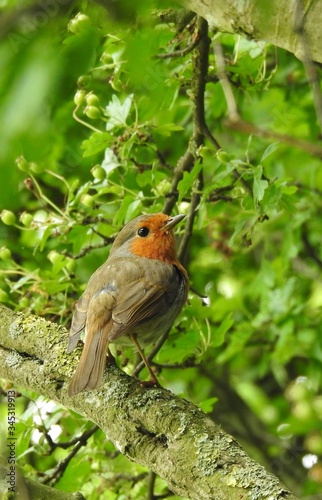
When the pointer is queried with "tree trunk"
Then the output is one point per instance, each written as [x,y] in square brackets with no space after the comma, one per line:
[294,25]
[153,427]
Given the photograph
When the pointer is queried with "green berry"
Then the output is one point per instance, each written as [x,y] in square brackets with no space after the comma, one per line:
[22,164]
[297,392]
[8,217]
[72,26]
[84,81]
[92,100]
[223,156]
[107,59]
[303,411]
[98,173]
[79,97]
[82,18]
[314,442]
[5,253]
[87,200]
[36,168]
[79,23]
[163,187]
[115,84]
[92,112]
[26,219]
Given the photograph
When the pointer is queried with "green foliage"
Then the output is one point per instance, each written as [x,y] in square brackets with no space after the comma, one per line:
[93,126]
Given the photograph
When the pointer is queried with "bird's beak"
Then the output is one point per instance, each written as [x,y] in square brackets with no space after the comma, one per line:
[173,221]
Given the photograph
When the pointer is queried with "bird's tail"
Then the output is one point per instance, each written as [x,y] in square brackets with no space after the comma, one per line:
[90,369]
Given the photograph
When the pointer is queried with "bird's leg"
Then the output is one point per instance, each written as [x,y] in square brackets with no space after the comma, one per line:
[153,380]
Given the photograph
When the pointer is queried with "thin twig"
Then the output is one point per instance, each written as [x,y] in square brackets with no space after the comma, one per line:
[195,199]
[65,444]
[200,65]
[188,363]
[233,113]
[151,482]
[182,52]
[310,249]
[250,128]
[181,18]
[88,249]
[59,470]
[235,122]
[185,163]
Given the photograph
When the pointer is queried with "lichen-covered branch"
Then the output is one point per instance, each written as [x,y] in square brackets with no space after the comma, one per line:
[247,18]
[153,427]
[28,489]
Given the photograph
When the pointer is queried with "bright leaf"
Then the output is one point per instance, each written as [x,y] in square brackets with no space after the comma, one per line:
[118,112]
[259,185]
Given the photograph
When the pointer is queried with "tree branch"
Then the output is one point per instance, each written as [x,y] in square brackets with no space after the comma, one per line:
[28,489]
[153,427]
[235,122]
[200,130]
[309,66]
[246,18]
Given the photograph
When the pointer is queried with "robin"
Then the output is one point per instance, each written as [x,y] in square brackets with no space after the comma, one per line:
[134,297]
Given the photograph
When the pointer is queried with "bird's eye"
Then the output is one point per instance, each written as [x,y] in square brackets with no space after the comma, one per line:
[143,232]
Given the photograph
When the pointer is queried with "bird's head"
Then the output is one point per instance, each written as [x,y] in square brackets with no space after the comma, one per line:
[149,236]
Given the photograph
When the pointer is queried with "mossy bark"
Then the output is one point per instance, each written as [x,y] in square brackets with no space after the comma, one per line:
[26,489]
[276,22]
[153,427]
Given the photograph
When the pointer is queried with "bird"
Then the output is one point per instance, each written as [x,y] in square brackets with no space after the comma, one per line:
[133,298]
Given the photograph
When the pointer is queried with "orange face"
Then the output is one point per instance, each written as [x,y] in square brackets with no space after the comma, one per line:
[154,241]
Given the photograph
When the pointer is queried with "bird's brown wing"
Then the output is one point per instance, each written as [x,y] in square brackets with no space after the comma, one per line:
[142,300]
[99,282]
[78,320]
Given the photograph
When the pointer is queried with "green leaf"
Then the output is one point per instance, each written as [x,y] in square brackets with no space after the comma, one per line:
[269,150]
[167,129]
[219,334]
[208,405]
[238,340]
[123,210]
[110,161]
[132,210]
[289,190]
[118,112]
[243,228]
[180,347]
[259,185]
[97,142]
[188,179]
[286,346]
